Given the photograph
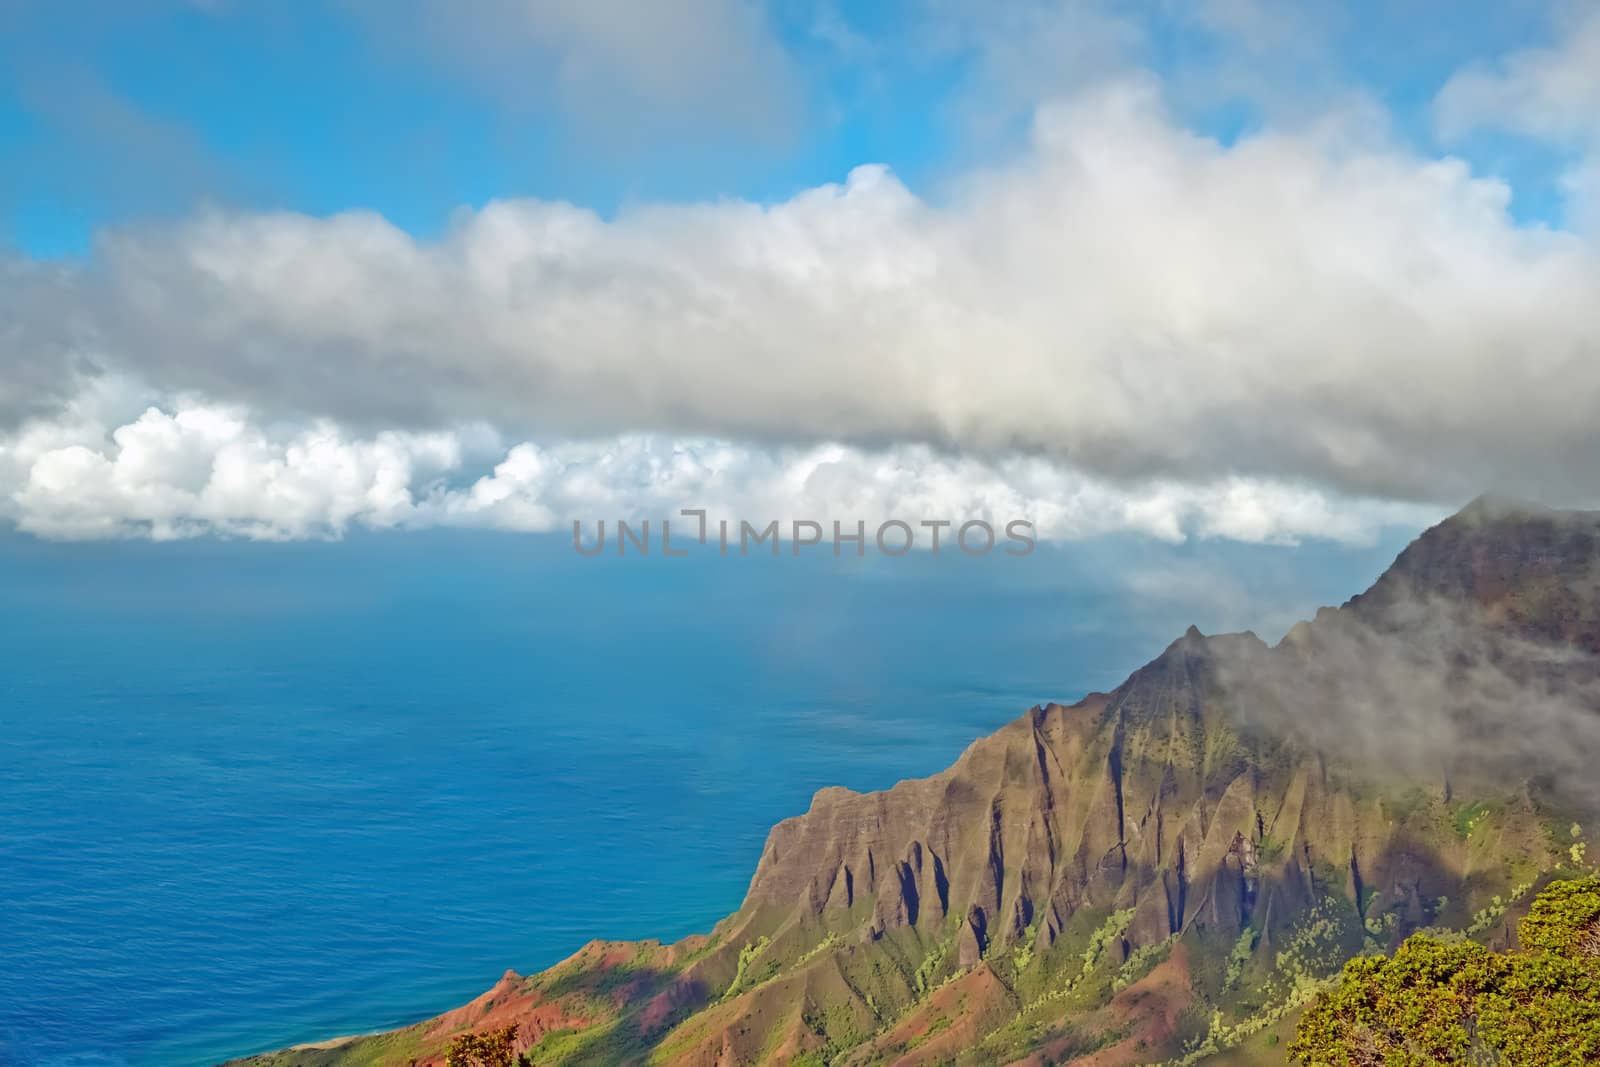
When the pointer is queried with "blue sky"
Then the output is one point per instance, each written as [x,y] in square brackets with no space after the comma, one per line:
[112,113]
[318,110]
[1225,269]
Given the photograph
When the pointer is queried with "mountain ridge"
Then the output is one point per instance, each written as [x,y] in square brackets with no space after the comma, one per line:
[1145,874]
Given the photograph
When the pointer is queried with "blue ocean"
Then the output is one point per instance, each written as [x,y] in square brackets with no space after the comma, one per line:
[257,794]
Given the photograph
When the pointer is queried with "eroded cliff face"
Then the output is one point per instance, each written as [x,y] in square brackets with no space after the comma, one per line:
[1124,800]
[1093,881]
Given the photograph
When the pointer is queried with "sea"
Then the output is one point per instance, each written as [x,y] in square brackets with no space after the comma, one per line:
[257,794]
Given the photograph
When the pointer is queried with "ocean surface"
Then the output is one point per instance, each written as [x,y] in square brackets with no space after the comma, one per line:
[254,794]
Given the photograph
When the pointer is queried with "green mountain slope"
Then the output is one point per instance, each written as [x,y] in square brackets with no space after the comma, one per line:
[1165,872]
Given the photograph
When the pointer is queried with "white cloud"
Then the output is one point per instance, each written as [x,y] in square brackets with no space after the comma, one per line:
[1126,326]
[197,468]
[1552,92]
[1310,307]
[205,469]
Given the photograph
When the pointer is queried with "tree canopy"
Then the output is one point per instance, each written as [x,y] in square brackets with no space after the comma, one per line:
[495,1048]
[1441,1002]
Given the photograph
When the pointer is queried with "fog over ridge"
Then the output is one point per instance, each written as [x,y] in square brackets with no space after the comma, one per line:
[1489,677]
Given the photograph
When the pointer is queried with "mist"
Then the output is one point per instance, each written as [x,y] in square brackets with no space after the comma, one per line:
[1473,660]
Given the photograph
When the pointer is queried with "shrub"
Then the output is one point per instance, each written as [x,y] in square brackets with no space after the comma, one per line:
[492,1049]
[1440,1003]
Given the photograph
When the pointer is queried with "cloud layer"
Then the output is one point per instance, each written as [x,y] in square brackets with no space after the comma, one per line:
[1124,325]
[205,469]
[1316,307]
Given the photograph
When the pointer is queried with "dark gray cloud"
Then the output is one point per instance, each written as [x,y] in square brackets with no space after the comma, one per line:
[45,317]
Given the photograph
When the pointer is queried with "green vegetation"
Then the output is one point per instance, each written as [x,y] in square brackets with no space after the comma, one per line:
[491,1049]
[1141,962]
[747,955]
[1023,954]
[1440,1003]
[1379,929]
[1242,951]
[1496,910]
[1104,935]
[1320,943]
[1110,930]
[1564,920]
[827,944]
[1270,850]
[922,981]
[591,1044]
[1469,817]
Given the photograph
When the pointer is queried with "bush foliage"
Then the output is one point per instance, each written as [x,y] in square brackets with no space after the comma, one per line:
[1439,1003]
[496,1048]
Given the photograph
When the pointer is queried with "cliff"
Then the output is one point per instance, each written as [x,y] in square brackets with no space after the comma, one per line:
[1158,872]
